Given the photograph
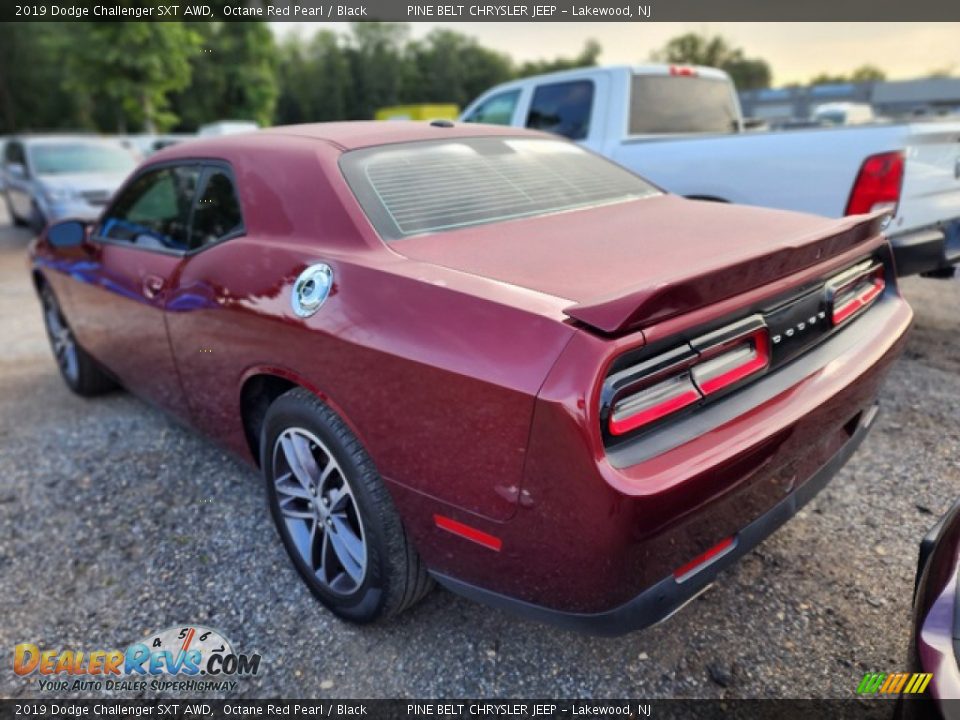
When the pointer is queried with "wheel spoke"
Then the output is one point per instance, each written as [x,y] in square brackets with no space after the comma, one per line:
[350,549]
[289,511]
[321,570]
[300,533]
[288,486]
[301,463]
[339,497]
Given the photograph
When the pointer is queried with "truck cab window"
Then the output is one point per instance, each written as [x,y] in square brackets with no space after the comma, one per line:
[562,108]
[496,110]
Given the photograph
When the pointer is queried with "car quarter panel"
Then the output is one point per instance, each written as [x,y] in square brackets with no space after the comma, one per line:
[411,354]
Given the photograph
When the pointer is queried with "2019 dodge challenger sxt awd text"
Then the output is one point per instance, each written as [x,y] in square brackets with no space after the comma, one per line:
[483,356]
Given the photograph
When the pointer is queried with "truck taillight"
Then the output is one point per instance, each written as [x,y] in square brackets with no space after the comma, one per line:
[675,380]
[854,290]
[878,184]
[682,71]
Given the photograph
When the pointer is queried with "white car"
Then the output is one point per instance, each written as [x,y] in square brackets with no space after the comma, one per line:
[681,127]
[52,177]
[844,113]
[227,127]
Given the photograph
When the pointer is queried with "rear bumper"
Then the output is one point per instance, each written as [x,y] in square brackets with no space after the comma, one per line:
[668,595]
[927,250]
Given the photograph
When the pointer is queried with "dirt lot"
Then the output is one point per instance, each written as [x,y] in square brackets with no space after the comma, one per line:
[117,523]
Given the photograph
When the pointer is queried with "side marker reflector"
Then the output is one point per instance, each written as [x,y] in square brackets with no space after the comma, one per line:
[470,533]
[701,561]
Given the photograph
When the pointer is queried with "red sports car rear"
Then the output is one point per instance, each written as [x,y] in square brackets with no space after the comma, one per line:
[528,372]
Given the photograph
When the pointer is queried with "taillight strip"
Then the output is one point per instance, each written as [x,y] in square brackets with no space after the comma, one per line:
[667,383]
[653,403]
[748,354]
[854,290]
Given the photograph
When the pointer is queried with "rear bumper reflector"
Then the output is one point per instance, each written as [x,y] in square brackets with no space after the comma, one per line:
[470,533]
[701,561]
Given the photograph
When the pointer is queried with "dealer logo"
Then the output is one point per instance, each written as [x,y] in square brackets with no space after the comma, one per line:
[184,653]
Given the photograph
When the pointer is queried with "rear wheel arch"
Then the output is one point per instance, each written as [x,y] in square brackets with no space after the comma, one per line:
[262,386]
[257,394]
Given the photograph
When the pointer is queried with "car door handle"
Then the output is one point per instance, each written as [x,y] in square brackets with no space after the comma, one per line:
[152,285]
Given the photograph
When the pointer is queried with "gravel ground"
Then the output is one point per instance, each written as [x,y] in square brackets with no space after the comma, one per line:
[118,523]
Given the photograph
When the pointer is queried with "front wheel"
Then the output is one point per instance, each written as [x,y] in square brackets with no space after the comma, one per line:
[18,222]
[334,515]
[79,371]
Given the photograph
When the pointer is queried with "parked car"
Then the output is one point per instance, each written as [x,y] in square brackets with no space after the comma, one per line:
[680,127]
[147,144]
[483,355]
[3,145]
[227,127]
[935,641]
[844,113]
[50,177]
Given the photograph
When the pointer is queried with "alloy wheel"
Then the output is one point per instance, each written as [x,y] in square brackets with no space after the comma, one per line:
[61,339]
[319,511]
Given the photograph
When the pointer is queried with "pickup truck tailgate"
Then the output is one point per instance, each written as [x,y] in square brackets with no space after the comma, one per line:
[931,184]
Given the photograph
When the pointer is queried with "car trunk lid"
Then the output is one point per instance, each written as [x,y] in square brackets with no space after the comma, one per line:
[626,265]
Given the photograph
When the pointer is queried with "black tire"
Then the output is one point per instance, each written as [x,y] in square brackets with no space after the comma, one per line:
[394,577]
[945,273]
[82,374]
[37,221]
[18,222]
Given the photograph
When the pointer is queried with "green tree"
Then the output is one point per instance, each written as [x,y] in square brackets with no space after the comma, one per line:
[234,75]
[449,67]
[716,51]
[587,57]
[31,93]
[133,67]
[864,73]
[379,66]
[868,73]
[314,79]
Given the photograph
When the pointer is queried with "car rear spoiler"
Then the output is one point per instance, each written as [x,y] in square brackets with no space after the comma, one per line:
[651,302]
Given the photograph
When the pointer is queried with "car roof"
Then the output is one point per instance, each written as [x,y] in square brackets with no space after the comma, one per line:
[350,135]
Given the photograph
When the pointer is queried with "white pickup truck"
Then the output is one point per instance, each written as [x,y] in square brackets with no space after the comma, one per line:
[681,128]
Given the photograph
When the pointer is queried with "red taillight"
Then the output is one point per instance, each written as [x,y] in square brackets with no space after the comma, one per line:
[681,71]
[854,290]
[653,403]
[732,362]
[878,183]
[709,364]
[701,561]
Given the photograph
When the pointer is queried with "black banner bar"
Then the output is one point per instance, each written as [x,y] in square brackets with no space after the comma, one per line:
[200,709]
[489,11]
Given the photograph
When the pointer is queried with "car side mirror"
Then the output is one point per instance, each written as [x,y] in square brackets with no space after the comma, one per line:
[69,233]
[17,170]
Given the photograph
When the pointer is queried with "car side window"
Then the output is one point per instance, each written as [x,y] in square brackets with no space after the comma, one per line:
[217,213]
[562,108]
[14,153]
[496,110]
[154,211]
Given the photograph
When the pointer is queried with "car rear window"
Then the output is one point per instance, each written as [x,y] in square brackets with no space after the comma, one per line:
[425,187]
[681,104]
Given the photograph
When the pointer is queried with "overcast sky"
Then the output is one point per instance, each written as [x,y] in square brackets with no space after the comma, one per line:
[795,51]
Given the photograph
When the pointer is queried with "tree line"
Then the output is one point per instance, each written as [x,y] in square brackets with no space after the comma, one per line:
[170,76]
[137,76]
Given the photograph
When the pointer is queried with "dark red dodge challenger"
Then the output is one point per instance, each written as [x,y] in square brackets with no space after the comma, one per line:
[483,356]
